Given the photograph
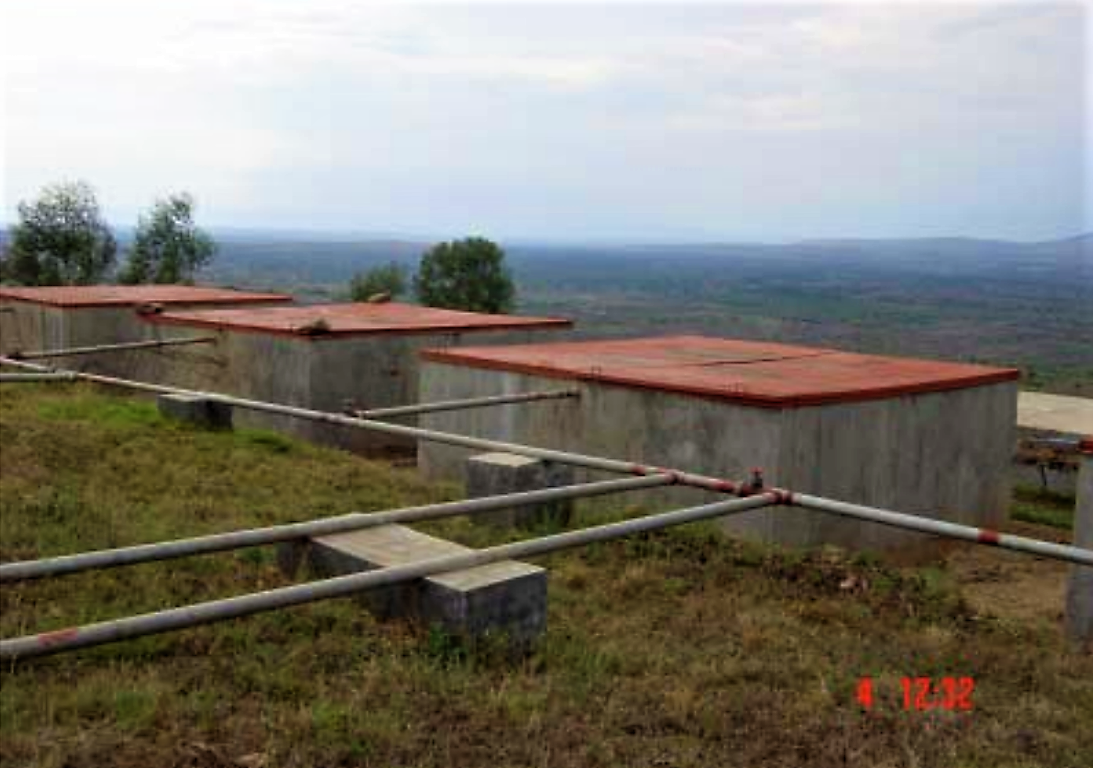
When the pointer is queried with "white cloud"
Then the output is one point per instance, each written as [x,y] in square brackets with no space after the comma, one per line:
[516,115]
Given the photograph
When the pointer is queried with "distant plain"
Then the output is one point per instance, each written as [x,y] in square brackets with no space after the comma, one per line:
[1029,305]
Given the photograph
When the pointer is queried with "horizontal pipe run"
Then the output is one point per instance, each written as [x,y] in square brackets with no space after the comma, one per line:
[457,405]
[129,345]
[221,542]
[27,378]
[944,528]
[463,441]
[342,586]
[1068,554]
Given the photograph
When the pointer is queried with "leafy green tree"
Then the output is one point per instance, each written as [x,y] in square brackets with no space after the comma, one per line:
[465,274]
[61,238]
[389,279]
[168,247]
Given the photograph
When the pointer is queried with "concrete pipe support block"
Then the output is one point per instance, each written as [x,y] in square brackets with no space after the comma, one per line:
[494,474]
[506,599]
[199,411]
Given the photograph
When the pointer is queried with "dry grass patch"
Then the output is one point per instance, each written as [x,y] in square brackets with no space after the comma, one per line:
[674,649]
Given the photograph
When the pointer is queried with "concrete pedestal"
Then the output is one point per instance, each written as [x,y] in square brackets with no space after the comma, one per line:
[494,474]
[199,411]
[508,598]
[1079,598]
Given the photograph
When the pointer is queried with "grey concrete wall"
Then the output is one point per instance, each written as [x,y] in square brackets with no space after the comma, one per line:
[320,373]
[945,454]
[258,366]
[30,326]
[942,454]
[33,326]
[705,436]
[380,371]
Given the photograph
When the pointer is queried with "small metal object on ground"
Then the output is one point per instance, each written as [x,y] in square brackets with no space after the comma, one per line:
[507,598]
[493,474]
[199,411]
[1079,597]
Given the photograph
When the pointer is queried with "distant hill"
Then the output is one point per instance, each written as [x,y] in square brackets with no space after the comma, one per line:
[1023,304]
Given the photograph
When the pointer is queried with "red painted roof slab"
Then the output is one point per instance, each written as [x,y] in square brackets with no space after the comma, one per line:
[354,319]
[757,373]
[76,296]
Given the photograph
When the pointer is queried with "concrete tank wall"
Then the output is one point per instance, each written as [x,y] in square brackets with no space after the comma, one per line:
[325,373]
[944,454]
[29,326]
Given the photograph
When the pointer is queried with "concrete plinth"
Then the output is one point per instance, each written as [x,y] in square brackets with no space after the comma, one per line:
[494,474]
[508,598]
[199,411]
[1079,598]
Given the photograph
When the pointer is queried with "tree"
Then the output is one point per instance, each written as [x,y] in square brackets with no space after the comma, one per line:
[387,279]
[465,274]
[61,238]
[168,247]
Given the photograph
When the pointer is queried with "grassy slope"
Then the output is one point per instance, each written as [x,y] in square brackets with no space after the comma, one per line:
[673,650]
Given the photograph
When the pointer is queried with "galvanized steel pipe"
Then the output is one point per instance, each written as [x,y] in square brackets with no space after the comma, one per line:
[75,351]
[458,405]
[946,529]
[221,542]
[563,457]
[342,586]
[913,522]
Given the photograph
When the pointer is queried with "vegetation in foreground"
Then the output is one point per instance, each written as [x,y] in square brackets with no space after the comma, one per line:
[1043,507]
[678,649]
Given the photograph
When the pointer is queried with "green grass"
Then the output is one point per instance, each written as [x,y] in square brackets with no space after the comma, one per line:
[676,649]
[1043,507]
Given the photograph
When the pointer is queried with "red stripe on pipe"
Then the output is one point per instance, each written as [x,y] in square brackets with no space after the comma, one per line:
[987,536]
[60,635]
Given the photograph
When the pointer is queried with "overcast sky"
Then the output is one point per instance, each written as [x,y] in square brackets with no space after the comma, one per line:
[725,121]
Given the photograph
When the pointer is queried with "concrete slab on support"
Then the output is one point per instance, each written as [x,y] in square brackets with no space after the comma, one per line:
[199,411]
[507,598]
[1043,412]
[494,474]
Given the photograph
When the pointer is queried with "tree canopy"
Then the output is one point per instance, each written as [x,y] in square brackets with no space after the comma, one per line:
[468,274]
[61,238]
[390,279]
[168,246]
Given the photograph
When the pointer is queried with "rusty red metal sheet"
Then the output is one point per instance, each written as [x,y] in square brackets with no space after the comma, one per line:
[765,374]
[354,319]
[134,295]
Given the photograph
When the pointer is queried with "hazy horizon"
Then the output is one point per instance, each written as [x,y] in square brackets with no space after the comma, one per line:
[346,235]
[571,123]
